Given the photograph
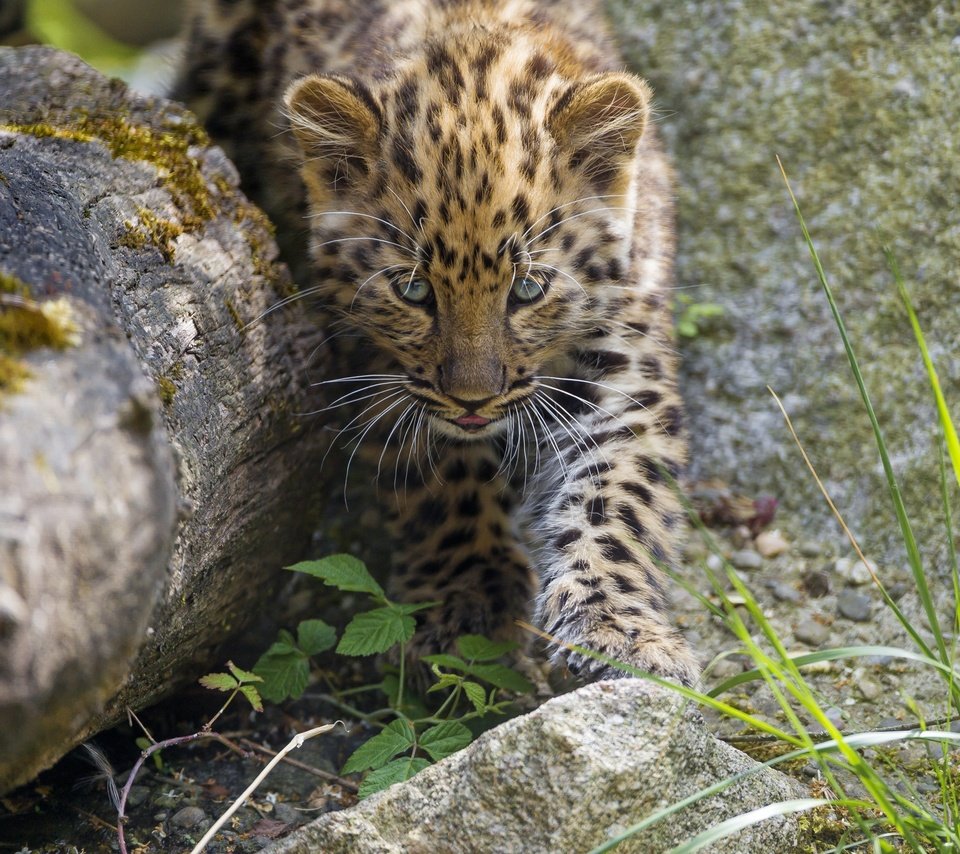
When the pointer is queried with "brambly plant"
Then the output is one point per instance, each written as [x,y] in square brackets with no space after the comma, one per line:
[469,686]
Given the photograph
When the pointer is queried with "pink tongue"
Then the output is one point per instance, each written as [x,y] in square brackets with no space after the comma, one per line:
[472,421]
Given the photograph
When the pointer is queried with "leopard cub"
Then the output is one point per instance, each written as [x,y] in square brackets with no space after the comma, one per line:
[490,221]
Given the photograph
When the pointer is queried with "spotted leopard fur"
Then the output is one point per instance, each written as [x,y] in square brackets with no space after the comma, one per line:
[489,209]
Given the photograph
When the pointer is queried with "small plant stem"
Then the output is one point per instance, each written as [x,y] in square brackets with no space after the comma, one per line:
[295,742]
[145,755]
[209,724]
[400,687]
[454,697]
[370,718]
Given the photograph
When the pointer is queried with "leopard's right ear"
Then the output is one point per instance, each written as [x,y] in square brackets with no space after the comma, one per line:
[337,122]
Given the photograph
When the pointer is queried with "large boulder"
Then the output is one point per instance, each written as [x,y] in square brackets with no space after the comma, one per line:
[570,776]
[860,103]
[155,471]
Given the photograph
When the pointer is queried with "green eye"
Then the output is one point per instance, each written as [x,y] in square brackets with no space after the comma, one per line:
[526,290]
[416,291]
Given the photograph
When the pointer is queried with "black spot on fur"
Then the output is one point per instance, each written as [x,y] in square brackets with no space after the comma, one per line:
[564,539]
[614,550]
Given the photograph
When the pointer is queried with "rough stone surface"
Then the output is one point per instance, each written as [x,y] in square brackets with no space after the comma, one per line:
[857,102]
[147,470]
[567,777]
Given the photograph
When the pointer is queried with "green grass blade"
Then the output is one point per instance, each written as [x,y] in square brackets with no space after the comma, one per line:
[803,659]
[949,432]
[910,542]
[748,819]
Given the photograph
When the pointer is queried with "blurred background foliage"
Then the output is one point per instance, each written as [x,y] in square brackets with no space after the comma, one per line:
[131,39]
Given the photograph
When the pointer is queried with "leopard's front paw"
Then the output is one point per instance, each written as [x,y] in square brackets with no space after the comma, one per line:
[657,649]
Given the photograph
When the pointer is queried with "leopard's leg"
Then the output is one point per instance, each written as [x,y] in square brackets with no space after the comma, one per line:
[457,545]
[608,520]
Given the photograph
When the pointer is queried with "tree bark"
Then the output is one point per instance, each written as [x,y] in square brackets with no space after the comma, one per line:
[154,470]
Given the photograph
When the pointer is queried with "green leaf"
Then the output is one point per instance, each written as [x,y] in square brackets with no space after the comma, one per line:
[446,738]
[375,631]
[219,681]
[315,636]
[242,675]
[412,609]
[396,772]
[445,660]
[285,672]
[502,677]
[475,694]
[345,572]
[396,737]
[253,696]
[444,681]
[479,648]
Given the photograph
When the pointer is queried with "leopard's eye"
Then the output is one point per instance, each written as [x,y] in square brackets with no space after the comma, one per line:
[526,290]
[413,290]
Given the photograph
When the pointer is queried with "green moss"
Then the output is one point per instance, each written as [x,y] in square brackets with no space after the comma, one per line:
[25,325]
[167,390]
[167,149]
[234,314]
[152,230]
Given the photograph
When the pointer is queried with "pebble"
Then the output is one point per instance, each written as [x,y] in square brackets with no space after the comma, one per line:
[854,572]
[287,814]
[188,817]
[835,715]
[810,548]
[869,689]
[746,559]
[770,544]
[725,668]
[811,632]
[714,562]
[784,592]
[854,606]
[816,583]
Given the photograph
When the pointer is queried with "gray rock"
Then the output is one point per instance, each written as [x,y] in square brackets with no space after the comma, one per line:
[810,631]
[188,818]
[853,97]
[854,606]
[784,592]
[746,559]
[567,777]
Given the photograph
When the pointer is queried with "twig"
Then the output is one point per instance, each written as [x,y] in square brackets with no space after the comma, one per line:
[145,755]
[296,763]
[295,742]
[758,738]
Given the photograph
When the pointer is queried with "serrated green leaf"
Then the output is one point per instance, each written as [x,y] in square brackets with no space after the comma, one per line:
[412,609]
[283,636]
[396,772]
[345,572]
[445,660]
[314,636]
[444,681]
[285,672]
[242,675]
[375,631]
[476,695]
[479,648]
[219,681]
[502,677]
[446,738]
[253,696]
[396,737]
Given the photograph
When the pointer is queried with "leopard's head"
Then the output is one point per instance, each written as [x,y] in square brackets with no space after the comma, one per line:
[470,214]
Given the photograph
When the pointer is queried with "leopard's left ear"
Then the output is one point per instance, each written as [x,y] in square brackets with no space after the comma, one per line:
[599,122]
[337,122]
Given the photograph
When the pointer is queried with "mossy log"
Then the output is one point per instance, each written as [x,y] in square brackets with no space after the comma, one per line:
[154,470]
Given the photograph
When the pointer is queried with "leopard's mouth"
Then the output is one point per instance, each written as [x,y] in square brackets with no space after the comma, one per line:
[472,422]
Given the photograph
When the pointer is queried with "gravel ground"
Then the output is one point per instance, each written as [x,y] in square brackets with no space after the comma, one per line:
[815,594]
